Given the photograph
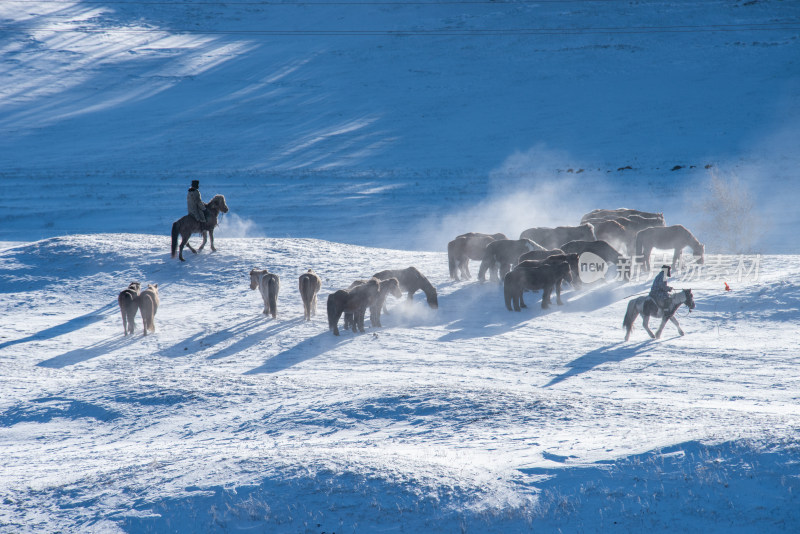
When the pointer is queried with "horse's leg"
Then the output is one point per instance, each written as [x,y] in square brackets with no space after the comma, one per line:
[184,242]
[336,317]
[675,322]
[465,269]
[211,238]
[522,300]
[546,297]
[645,323]
[661,327]
[676,256]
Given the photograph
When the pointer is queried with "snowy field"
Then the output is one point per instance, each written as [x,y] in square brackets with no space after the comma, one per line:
[352,137]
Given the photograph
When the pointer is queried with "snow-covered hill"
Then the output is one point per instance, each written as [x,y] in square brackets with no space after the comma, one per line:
[466,418]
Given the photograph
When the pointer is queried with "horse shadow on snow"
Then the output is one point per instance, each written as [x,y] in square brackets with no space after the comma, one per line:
[615,352]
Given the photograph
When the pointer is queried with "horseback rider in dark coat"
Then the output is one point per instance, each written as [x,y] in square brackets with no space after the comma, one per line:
[659,291]
[195,204]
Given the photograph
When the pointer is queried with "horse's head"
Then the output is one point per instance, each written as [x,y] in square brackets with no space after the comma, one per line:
[433,299]
[391,286]
[699,254]
[219,203]
[688,298]
[532,245]
[254,276]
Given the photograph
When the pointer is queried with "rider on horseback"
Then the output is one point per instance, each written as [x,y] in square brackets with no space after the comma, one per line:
[659,291]
[195,204]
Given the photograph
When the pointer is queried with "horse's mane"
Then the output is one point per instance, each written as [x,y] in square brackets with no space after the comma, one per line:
[424,284]
[216,200]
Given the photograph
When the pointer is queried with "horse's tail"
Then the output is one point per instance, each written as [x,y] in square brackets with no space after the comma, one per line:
[451,259]
[273,286]
[175,238]
[332,318]
[508,291]
[630,315]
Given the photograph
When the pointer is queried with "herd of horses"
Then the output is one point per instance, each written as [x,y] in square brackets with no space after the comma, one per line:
[543,258]
[540,260]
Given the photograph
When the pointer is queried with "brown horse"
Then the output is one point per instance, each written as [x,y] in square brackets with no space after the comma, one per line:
[675,238]
[356,301]
[551,238]
[533,276]
[188,225]
[467,247]
[309,287]
[128,306]
[411,281]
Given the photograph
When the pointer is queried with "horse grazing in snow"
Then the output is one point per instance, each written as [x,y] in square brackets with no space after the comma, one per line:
[411,281]
[675,237]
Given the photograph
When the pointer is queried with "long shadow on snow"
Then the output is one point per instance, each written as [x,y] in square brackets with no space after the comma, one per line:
[478,310]
[616,352]
[217,337]
[305,350]
[256,338]
[65,328]
[87,353]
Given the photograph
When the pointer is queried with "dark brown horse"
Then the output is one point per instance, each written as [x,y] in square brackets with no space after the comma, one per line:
[389,286]
[467,247]
[188,225]
[554,259]
[411,281]
[356,301]
[675,238]
[533,276]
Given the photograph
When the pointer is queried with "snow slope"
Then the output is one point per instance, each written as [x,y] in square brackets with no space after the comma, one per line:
[466,418]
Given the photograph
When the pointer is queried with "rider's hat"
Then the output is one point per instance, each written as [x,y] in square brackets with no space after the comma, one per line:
[195,184]
[668,269]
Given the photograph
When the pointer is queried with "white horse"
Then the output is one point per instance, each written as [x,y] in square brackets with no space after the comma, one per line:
[647,307]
